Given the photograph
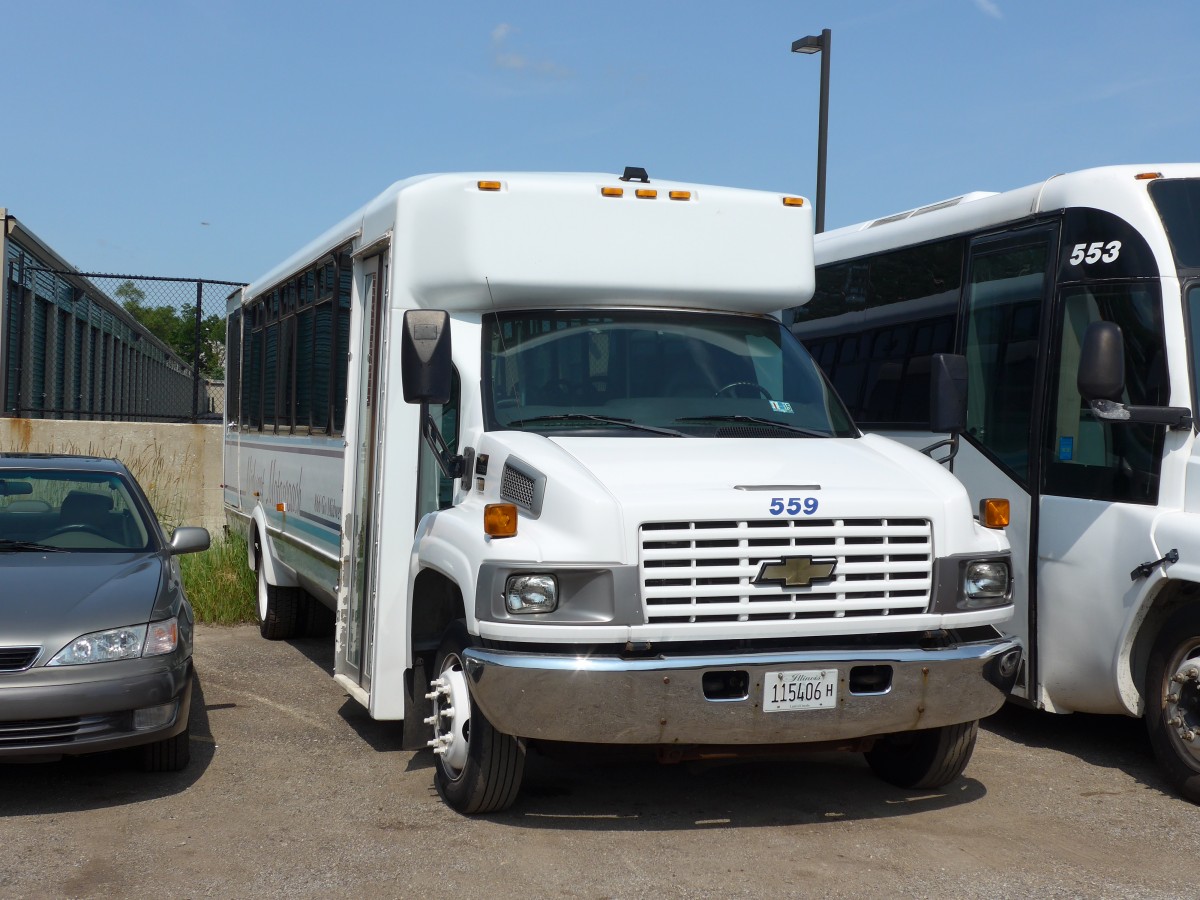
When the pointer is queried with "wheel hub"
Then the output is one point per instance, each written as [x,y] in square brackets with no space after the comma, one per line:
[1182,710]
[451,719]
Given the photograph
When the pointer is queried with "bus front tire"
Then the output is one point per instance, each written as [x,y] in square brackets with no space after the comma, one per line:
[479,769]
[1173,701]
[924,759]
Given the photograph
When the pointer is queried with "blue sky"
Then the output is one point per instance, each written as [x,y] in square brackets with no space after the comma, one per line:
[211,139]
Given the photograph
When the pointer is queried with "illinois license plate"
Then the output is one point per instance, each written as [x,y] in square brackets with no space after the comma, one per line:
[800,689]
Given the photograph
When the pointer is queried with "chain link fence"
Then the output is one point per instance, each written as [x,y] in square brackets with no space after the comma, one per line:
[80,345]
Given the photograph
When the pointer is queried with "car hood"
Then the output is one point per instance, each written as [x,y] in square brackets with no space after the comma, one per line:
[50,598]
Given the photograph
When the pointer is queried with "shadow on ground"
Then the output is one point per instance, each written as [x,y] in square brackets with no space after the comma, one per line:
[103,780]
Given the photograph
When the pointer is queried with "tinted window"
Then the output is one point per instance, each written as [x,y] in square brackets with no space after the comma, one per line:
[874,323]
[1178,202]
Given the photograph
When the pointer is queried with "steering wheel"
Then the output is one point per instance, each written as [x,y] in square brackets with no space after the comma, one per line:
[751,384]
[78,526]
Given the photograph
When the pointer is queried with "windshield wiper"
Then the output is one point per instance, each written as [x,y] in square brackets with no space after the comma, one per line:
[7,544]
[755,420]
[588,417]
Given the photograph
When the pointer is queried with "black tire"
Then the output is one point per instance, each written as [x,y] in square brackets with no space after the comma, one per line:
[278,608]
[1176,651]
[924,759]
[168,755]
[484,777]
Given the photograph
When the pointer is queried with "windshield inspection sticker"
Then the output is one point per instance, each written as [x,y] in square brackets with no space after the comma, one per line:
[780,406]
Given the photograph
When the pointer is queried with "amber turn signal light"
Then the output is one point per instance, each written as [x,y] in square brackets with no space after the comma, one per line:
[993,512]
[500,519]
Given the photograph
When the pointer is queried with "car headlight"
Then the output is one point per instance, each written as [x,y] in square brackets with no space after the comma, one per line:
[531,594]
[131,642]
[985,583]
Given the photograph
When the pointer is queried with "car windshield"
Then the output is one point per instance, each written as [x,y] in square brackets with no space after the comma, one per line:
[69,511]
[648,373]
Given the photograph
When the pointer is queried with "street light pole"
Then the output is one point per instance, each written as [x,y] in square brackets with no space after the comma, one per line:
[819,44]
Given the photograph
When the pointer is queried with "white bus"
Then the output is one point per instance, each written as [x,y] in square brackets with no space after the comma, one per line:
[539,442]
[1086,427]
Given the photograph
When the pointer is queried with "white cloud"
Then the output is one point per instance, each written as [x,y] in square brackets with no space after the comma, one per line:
[987,7]
[504,58]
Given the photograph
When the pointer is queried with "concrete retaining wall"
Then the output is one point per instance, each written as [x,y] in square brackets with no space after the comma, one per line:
[178,466]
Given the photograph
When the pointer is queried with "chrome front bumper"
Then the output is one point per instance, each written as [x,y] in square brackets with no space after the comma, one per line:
[609,700]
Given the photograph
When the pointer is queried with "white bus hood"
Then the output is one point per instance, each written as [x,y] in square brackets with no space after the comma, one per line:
[599,491]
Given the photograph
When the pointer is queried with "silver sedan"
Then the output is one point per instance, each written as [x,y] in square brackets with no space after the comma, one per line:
[95,630]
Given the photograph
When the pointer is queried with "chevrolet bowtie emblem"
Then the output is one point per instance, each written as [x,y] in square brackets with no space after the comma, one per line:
[795,571]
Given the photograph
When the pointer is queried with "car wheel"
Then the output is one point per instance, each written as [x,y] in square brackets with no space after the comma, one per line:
[924,759]
[1173,701]
[479,769]
[278,608]
[168,755]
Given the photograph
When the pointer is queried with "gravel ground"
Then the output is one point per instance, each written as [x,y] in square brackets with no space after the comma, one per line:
[294,792]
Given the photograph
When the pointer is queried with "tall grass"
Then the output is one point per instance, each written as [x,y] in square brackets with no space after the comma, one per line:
[218,582]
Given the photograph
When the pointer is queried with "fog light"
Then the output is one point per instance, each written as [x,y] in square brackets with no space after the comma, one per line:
[985,582]
[531,594]
[155,716]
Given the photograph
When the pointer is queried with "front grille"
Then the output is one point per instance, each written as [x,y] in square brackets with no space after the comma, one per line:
[17,659]
[53,732]
[693,572]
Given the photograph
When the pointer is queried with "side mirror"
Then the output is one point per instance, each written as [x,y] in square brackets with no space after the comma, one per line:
[1101,382]
[425,362]
[948,393]
[187,539]
[1102,362]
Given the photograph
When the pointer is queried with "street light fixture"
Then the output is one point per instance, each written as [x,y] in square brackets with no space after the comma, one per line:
[819,43]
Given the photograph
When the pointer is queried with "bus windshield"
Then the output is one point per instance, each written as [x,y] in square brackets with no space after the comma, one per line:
[654,372]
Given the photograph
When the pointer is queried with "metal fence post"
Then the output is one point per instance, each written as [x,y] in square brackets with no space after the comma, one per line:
[196,354]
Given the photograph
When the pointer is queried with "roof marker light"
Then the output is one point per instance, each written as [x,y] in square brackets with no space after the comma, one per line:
[680,195]
[1147,176]
[488,185]
[612,192]
[646,193]
[793,201]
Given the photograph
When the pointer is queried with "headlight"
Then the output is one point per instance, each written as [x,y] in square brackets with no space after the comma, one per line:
[531,594]
[985,583]
[120,643]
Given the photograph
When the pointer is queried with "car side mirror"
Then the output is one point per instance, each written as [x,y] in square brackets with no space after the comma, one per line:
[188,539]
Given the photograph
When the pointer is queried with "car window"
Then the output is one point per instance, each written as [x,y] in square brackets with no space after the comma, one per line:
[70,511]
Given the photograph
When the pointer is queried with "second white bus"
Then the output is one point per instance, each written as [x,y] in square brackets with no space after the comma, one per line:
[1076,302]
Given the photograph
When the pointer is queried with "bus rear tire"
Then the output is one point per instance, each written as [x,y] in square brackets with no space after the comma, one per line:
[1173,701]
[479,769]
[278,608]
[924,759]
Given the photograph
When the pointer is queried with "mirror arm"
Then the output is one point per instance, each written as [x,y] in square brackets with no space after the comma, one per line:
[452,465]
[948,459]
[1177,418]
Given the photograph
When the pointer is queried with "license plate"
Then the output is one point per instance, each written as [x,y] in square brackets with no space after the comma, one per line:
[800,689]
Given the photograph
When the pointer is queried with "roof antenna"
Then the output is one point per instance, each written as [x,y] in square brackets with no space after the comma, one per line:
[635,173]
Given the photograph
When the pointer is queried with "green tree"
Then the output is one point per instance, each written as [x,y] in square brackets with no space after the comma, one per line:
[177,329]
